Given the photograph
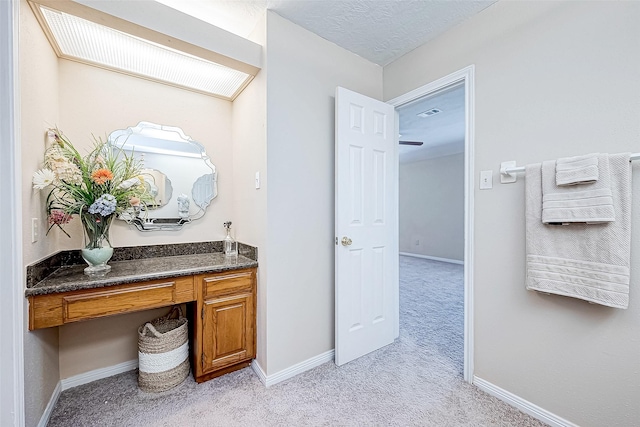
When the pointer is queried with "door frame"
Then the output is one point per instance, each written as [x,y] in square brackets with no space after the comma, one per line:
[466,76]
[11,283]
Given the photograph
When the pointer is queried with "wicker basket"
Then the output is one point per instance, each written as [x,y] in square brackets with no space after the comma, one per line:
[163,352]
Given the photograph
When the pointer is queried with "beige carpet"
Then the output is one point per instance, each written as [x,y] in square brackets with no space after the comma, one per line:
[417,381]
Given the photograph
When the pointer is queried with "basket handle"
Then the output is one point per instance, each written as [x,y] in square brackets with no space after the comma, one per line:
[152,329]
[172,312]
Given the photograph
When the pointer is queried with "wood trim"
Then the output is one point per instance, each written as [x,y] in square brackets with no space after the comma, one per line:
[292,371]
[522,404]
[151,79]
[101,18]
[111,21]
[220,372]
[433,258]
[466,75]
[12,396]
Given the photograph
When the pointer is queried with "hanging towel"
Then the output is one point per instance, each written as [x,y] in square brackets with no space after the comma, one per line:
[589,203]
[589,262]
[577,170]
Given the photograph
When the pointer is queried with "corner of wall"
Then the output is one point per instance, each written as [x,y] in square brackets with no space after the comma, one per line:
[249,142]
[38,77]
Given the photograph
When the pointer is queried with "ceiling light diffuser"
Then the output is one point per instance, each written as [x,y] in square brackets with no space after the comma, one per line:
[85,41]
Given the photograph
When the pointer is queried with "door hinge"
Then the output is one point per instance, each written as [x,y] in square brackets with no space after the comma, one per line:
[202,360]
[202,313]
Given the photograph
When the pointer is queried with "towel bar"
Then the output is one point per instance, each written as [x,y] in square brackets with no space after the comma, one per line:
[508,170]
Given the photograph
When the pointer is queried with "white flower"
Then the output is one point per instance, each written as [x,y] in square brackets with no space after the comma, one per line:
[66,171]
[43,178]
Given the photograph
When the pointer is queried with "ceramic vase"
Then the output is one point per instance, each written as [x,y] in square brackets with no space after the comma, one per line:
[96,250]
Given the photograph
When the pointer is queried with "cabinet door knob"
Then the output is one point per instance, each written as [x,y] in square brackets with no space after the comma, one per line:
[346,241]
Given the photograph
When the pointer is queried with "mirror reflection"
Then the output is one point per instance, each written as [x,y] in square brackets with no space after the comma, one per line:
[176,170]
[158,186]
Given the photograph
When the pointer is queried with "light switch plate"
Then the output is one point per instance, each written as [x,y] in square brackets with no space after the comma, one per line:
[486,180]
[34,230]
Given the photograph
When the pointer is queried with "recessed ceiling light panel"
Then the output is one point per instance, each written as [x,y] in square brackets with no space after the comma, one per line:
[89,42]
[429,113]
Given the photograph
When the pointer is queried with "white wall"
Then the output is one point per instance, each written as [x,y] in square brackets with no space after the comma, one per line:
[303,72]
[249,134]
[552,79]
[38,107]
[431,198]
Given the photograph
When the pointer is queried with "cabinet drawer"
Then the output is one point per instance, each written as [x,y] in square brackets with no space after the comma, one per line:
[112,301]
[226,283]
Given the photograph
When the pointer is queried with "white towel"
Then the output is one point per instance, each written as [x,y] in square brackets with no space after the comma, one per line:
[577,170]
[589,262]
[590,203]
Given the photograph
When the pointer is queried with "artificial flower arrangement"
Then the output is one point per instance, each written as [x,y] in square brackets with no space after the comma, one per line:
[99,186]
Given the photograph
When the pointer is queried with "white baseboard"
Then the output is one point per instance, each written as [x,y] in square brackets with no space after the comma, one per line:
[259,372]
[523,405]
[292,371]
[433,258]
[98,374]
[44,419]
[80,379]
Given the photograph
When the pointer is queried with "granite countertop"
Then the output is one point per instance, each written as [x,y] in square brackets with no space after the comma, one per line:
[64,277]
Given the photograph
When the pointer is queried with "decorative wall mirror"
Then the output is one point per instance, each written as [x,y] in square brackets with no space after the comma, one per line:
[176,170]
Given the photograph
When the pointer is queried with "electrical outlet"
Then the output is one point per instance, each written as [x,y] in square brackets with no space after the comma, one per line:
[34,230]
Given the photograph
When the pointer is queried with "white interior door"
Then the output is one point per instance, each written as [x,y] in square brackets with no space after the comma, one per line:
[367,314]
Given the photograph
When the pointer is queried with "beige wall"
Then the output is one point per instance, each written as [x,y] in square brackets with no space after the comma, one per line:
[552,79]
[83,100]
[431,199]
[303,72]
[249,134]
[96,101]
[38,107]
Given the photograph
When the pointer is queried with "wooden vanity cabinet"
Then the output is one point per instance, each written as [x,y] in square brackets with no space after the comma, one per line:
[223,307]
[224,336]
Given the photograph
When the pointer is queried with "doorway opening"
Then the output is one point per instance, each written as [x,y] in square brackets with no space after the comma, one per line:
[436,216]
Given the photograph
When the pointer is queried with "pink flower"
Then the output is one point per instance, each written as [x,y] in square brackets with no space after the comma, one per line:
[59,217]
[134,201]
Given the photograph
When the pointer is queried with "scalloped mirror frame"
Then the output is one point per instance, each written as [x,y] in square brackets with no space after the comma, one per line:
[172,134]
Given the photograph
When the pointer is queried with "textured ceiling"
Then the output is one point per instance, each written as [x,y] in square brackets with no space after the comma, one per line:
[442,133]
[378,30]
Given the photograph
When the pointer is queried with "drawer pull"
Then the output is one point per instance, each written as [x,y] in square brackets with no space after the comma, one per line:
[228,277]
[104,303]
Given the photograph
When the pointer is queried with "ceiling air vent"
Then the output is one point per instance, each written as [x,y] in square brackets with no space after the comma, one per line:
[428,113]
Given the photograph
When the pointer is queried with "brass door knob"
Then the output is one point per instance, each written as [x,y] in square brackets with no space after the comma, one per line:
[346,241]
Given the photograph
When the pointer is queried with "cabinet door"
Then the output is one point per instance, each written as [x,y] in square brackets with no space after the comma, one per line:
[227,331]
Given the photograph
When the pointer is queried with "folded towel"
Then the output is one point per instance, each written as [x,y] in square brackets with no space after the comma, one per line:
[589,262]
[577,170]
[590,203]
